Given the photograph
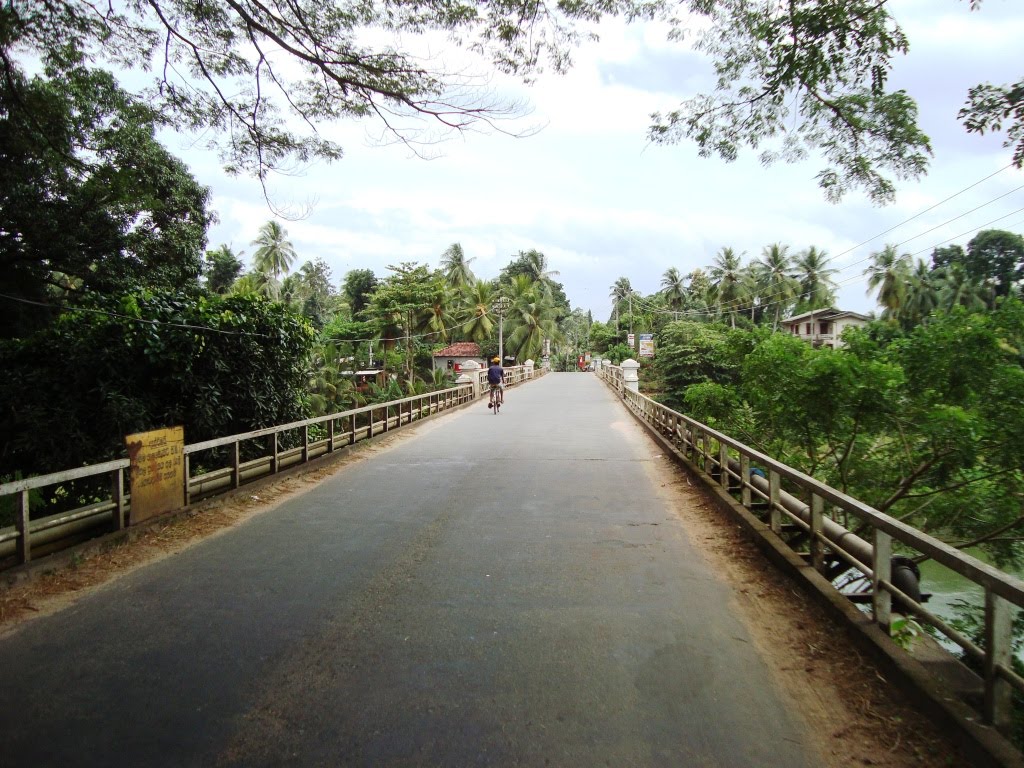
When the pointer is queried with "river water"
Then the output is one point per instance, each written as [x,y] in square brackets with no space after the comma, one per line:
[947,588]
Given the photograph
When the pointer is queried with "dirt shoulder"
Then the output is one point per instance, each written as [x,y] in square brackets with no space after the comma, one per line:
[858,717]
[855,715]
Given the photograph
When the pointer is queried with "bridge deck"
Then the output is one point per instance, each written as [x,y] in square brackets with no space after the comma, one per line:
[495,590]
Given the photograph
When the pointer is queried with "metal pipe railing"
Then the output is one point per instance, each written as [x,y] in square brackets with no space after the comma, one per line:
[728,463]
[18,541]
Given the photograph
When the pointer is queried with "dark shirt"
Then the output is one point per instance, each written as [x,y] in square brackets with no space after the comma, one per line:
[495,374]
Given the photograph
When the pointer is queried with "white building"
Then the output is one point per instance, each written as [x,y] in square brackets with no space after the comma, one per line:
[823,327]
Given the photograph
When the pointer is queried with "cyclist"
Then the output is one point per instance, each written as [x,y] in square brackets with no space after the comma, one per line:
[496,378]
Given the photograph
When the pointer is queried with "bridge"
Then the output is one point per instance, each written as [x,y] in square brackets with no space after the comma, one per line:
[492,590]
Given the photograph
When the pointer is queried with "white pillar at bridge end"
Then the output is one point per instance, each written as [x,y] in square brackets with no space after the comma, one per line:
[630,374]
[470,370]
[528,365]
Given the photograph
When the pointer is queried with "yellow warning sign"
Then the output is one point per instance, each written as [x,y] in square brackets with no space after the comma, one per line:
[157,461]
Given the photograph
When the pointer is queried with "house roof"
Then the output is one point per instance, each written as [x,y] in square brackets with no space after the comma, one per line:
[826,313]
[460,349]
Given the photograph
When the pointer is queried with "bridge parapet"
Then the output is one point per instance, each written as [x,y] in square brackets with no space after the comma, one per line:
[814,520]
[220,465]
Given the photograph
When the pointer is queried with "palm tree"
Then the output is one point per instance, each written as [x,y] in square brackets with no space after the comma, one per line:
[958,288]
[477,300]
[778,280]
[455,267]
[726,280]
[538,264]
[817,289]
[673,288]
[274,254]
[330,390]
[922,294]
[436,318]
[620,290]
[531,318]
[251,284]
[754,290]
[888,272]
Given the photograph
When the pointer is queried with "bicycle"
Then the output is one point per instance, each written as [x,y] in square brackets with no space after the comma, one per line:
[495,402]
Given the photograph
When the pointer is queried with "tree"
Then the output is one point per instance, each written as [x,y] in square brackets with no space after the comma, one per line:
[888,272]
[534,264]
[601,337]
[620,290]
[820,66]
[478,300]
[221,268]
[574,336]
[944,256]
[311,291]
[358,287]
[817,289]
[726,279]
[781,285]
[673,288]
[402,300]
[692,353]
[455,266]
[958,288]
[989,107]
[89,200]
[701,292]
[922,295]
[810,73]
[148,359]
[274,253]
[997,257]
[532,318]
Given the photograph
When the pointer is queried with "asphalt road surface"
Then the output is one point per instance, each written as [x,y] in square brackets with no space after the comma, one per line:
[495,590]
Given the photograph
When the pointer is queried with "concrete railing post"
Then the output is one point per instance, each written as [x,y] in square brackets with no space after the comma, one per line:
[528,368]
[630,374]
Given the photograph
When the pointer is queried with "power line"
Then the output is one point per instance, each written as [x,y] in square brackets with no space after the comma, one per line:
[769,299]
[926,210]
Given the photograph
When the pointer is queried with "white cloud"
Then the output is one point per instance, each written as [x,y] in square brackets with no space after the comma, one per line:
[600,203]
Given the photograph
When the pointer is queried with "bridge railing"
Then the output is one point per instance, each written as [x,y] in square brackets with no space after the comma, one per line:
[769,488]
[211,467]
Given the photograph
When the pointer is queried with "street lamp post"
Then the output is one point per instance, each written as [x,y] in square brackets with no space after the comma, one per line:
[500,307]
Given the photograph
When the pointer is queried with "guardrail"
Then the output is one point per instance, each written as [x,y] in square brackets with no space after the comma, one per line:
[217,466]
[738,469]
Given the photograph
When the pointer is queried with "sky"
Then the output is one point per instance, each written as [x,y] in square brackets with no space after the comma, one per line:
[588,190]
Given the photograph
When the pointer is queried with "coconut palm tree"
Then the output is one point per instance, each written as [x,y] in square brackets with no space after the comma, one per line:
[673,288]
[455,267]
[888,272]
[958,288]
[436,318]
[754,291]
[817,289]
[477,300]
[780,285]
[726,278]
[922,294]
[530,319]
[274,253]
[538,264]
[619,291]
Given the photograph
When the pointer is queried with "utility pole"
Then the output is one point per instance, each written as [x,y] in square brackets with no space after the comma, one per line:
[500,307]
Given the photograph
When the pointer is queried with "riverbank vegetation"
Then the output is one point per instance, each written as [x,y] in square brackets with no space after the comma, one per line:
[919,412]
